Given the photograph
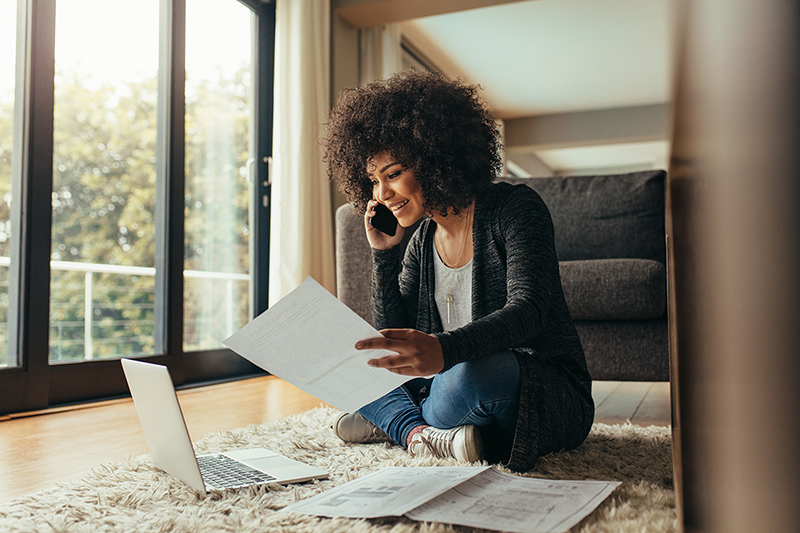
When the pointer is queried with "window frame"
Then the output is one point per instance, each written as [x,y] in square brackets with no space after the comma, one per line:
[34,383]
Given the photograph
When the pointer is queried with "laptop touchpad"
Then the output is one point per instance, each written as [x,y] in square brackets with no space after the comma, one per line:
[270,464]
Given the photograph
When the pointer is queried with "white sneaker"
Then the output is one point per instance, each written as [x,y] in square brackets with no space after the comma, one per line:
[463,443]
[352,427]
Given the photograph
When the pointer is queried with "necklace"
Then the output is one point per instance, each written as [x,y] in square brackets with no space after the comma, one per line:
[448,296]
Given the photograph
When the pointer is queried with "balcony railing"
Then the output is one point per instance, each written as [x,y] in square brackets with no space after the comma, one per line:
[231,303]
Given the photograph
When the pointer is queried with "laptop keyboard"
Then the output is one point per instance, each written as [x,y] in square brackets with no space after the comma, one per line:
[223,472]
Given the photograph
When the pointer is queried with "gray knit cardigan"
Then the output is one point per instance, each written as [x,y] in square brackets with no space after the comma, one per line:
[517,304]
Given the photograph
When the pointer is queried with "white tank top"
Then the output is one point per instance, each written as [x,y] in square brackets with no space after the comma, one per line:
[459,283]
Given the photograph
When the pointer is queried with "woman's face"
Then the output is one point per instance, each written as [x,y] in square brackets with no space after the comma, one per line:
[396,188]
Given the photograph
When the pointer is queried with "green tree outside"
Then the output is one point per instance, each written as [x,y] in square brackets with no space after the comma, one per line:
[6,135]
[104,180]
[103,199]
[217,122]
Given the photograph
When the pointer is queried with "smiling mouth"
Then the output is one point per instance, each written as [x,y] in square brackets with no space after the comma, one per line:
[398,206]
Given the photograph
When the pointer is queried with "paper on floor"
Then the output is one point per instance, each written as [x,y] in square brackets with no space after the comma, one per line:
[482,497]
[502,501]
[391,491]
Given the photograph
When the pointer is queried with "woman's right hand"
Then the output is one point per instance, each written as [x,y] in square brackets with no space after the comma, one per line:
[378,239]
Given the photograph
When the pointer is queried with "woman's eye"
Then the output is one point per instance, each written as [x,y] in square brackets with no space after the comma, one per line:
[393,175]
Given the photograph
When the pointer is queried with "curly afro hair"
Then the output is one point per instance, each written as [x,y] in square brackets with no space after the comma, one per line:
[436,127]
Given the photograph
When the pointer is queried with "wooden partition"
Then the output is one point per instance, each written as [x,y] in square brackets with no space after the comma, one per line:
[735,255]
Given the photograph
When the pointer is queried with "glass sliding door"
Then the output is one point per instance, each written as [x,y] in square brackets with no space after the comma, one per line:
[218,171]
[8,53]
[104,179]
[134,140]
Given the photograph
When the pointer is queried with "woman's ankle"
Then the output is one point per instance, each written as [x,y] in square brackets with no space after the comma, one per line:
[413,432]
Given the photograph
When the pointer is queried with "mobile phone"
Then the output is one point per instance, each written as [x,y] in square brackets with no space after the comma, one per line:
[384,220]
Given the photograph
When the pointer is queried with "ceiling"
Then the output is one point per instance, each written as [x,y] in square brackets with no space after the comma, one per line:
[546,57]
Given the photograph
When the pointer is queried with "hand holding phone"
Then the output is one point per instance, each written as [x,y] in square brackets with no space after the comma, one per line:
[384,220]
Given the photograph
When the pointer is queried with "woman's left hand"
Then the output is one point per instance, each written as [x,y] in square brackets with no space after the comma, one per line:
[418,353]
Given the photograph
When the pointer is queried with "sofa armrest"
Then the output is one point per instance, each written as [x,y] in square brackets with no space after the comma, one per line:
[353,263]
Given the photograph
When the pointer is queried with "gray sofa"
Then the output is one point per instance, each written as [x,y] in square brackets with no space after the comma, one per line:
[610,241]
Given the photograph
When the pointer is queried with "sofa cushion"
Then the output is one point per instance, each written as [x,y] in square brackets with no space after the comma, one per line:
[605,217]
[626,350]
[614,289]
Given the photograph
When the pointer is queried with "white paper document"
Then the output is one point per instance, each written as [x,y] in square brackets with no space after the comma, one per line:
[502,501]
[391,491]
[483,497]
[308,339]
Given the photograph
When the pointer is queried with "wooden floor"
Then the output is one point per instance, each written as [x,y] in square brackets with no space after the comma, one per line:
[643,403]
[43,448]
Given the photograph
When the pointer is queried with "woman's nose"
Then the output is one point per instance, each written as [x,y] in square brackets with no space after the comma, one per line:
[382,192]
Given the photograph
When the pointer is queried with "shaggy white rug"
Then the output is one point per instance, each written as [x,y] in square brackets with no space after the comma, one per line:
[136,496]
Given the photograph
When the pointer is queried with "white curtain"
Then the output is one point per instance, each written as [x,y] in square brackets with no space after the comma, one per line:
[301,236]
[380,52]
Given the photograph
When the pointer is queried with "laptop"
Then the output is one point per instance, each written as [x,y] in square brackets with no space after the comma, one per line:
[171,448]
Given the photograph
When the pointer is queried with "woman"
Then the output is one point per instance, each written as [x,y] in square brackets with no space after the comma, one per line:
[476,300]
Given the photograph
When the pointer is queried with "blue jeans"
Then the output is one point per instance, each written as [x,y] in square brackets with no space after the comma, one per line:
[483,392]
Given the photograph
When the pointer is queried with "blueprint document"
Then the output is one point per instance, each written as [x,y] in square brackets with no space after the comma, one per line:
[308,339]
[498,500]
[391,491]
[482,497]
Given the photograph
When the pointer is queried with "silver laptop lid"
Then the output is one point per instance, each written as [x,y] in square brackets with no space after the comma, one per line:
[162,421]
